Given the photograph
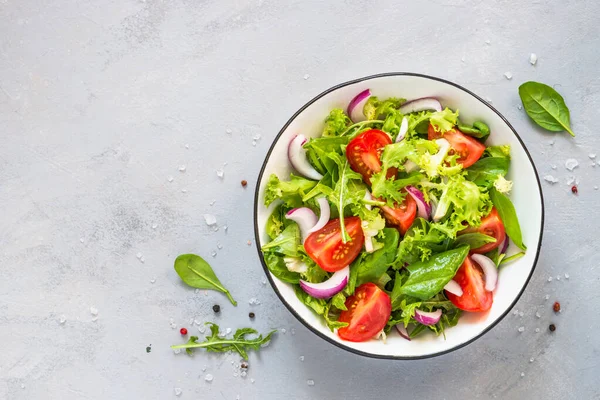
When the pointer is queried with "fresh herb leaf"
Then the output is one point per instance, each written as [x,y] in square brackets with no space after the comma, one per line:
[473,240]
[545,106]
[216,344]
[427,278]
[196,272]
[421,241]
[374,265]
[485,171]
[343,192]
[508,215]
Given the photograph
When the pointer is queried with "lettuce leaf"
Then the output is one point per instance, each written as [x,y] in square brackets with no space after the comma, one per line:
[336,122]
[290,192]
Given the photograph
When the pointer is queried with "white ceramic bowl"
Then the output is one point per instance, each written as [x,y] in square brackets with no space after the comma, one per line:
[526,196]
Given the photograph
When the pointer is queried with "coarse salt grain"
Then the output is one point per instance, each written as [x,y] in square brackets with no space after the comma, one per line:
[521,313]
[170,179]
[93,310]
[210,219]
[310,382]
[178,392]
[537,330]
[537,314]
[558,277]
[62,319]
[566,276]
[220,173]
[153,280]
[521,329]
[306,76]
[592,155]
[182,168]
[571,164]
[550,178]
[522,374]
[531,359]
[549,279]
[228,131]
[208,377]
[508,75]
[533,58]
[301,358]
[139,255]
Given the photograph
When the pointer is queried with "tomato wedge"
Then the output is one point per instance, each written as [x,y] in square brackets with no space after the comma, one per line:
[401,216]
[470,150]
[368,311]
[327,249]
[492,226]
[364,153]
[474,298]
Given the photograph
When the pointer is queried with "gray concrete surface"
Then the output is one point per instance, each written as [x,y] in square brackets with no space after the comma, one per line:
[99,102]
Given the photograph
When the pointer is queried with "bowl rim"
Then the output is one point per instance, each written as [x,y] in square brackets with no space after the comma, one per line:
[266,269]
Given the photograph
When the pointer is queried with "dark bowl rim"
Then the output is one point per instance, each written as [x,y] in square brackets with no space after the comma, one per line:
[291,309]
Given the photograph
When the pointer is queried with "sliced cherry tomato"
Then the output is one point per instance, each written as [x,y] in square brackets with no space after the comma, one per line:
[474,298]
[364,153]
[401,216]
[492,226]
[470,150]
[327,249]
[368,311]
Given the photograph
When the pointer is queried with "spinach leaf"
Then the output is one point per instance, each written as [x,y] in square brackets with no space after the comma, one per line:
[286,243]
[473,240]
[479,129]
[545,107]
[217,344]
[277,266]
[196,272]
[374,265]
[485,171]
[508,215]
[427,278]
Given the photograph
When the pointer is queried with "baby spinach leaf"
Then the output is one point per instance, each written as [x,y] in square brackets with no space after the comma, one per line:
[428,278]
[485,171]
[512,258]
[545,107]
[217,344]
[196,272]
[374,265]
[473,240]
[479,129]
[508,215]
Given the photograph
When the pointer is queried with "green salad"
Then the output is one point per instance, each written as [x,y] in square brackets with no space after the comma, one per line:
[397,215]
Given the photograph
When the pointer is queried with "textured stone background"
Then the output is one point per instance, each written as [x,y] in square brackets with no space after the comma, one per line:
[97,103]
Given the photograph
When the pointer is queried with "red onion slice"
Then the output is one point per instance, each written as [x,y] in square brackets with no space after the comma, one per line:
[424,209]
[489,270]
[422,104]
[454,288]
[402,331]
[504,245]
[355,108]
[297,156]
[305,218]
[428,318]
[324,290]
[403,130]
[324,216]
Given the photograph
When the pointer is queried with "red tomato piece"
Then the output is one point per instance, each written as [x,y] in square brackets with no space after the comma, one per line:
[469,149]
[327,249]
[474,298]
[492,226]
[368,311]
[364,153]
[401,216]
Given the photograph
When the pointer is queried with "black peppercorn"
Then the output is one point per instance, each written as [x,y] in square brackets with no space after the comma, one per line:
[216,308]
[552,327]
[251,315]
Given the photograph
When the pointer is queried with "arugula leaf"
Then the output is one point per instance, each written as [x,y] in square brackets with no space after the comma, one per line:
[545,106]
[196,272]
[290,192]
[485,171]
[508,215]
[343,194]
[473,240]
[336,122]
[374,265]
[512,258]
[216,344]
[277,266]
[286,243]
[427,278]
